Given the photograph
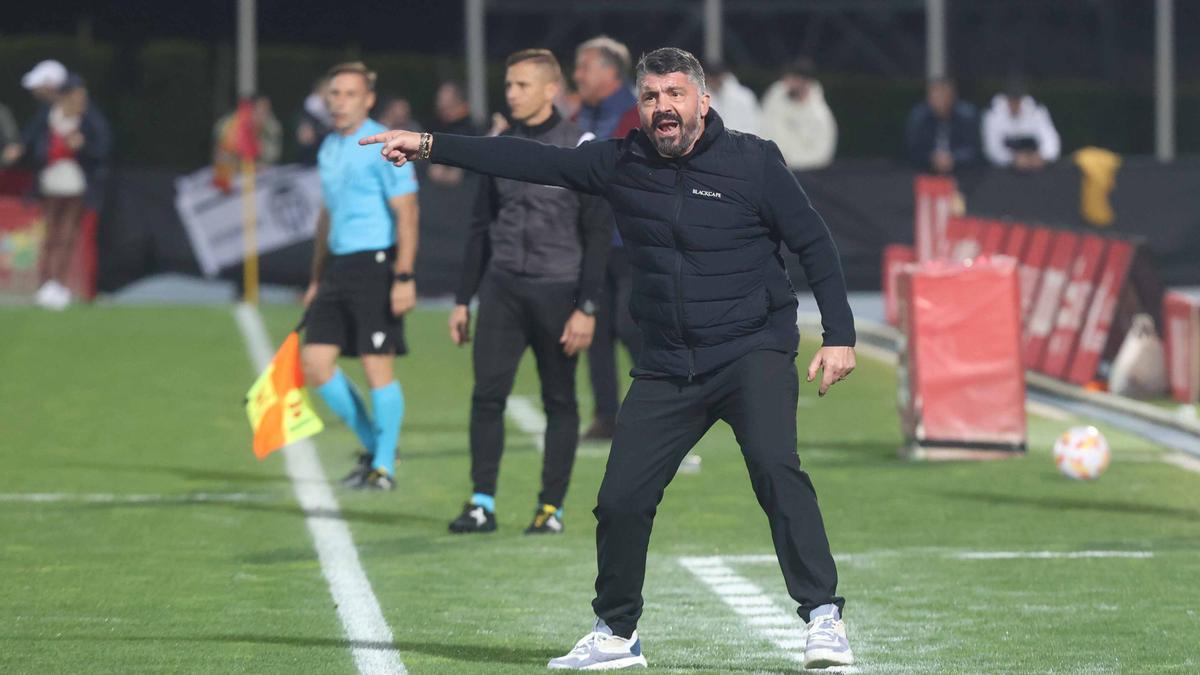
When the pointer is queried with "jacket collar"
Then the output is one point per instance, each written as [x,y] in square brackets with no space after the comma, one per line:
[539,129]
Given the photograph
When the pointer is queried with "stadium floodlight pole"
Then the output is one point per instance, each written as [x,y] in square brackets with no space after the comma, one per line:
[713,38]
[1164,80]
[473,13]
[935,38]
[246,70]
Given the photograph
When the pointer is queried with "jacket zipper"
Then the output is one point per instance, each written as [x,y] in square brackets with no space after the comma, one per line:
[679,274]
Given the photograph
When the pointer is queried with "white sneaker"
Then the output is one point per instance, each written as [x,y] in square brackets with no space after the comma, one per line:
[827,643]
[42,298]
[58,297]
[601,650]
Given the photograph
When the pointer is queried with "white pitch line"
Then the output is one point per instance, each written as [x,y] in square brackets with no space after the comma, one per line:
[1048,555]
[107,498]
[372,644]
[775,624]
[528,419]
[952,554]
[1183,461]
[1050,412]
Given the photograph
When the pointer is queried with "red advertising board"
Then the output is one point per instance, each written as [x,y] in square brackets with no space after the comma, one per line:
[1103,306]
[1037,251]
[962,237]
[1075,301]
[1047,299]
[992,237]
[21,233]
[895,256]
[962,385]
[934,197]
[1181,314]
[1014,245]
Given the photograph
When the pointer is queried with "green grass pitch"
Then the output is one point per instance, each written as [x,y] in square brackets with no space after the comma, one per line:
[101,404]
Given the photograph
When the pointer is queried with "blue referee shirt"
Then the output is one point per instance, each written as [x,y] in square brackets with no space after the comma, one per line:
[357,184]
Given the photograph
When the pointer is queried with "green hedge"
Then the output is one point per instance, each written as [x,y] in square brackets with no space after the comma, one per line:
[163,96]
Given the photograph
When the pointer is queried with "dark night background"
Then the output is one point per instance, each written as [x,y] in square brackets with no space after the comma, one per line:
[170,64]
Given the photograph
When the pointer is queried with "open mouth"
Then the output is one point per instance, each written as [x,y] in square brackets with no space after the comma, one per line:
[667,127]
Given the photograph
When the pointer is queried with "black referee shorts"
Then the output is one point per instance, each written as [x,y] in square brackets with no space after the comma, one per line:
[353,307]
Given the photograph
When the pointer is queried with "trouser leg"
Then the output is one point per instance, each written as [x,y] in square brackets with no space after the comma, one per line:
[622,275]
[758,400]
[602,355]
[500,339]
[552,305]
[659,423]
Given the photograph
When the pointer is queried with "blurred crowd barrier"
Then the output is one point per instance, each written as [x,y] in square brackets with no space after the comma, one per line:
[868,205]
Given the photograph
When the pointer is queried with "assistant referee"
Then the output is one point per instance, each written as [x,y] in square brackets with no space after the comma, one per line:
[702,211]
[362,276]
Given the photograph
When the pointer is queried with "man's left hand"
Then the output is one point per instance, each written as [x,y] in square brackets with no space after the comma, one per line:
[404,297]
[577,334]
[835,362]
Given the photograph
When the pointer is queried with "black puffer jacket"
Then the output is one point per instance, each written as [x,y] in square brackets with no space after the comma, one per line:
[703,234]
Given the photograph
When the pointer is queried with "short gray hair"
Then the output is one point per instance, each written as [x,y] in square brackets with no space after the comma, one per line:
[611,52]
[666,60]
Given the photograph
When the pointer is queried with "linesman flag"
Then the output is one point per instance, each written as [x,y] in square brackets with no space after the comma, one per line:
[278,406]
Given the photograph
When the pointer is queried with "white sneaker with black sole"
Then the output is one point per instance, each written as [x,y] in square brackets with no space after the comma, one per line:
[601,650]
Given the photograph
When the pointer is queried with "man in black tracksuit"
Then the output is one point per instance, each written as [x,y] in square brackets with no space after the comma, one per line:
[702,212]
[536,256]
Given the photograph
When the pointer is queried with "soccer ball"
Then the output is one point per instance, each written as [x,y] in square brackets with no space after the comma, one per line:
[1081,453]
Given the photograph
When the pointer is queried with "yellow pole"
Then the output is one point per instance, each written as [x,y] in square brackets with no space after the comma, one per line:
[249,219]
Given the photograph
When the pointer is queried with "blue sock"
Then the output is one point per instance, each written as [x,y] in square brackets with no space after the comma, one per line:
[343,399]
[488,502]
[388,404]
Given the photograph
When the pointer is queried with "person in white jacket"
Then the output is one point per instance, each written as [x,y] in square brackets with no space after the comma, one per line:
[736,103]
[1018,131]
[797,118]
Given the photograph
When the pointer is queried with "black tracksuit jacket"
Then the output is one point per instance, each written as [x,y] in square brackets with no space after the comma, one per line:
[703,234]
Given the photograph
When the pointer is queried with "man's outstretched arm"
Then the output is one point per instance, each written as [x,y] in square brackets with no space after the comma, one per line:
[586,168]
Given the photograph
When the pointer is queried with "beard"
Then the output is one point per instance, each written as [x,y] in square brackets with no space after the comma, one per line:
[677,145]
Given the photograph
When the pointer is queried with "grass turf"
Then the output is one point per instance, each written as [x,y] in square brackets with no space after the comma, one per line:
[131,401]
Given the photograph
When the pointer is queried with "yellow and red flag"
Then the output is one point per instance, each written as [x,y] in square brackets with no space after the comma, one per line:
[278,406]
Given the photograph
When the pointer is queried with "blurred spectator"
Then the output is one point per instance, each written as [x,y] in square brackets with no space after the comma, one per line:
[396,113]
[737,105]
[1018,131]
[68,144]
[943,132]
[313,123]
[568,103]
[608,107]
[226,159]
[453,117]
[453,111]
[797,118]
[45,80]
[9,133]
[500,124]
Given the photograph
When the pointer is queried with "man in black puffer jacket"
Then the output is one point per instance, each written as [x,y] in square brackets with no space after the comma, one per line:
[702,211]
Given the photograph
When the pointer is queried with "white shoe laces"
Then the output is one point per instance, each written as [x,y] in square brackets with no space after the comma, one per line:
[585,643]
[825,629]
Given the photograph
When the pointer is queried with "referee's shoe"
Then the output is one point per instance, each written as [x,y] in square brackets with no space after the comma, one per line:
[363,477]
